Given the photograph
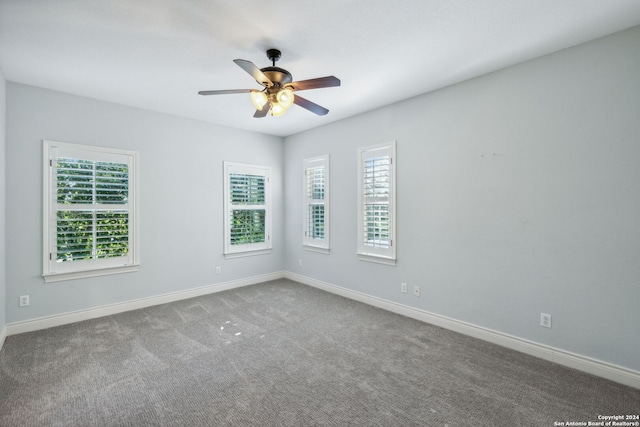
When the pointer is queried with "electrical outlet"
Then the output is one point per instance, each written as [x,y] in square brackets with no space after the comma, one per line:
[403,288]
[24,300]
[545,320]
[300,262]
[218,270]
[416,291]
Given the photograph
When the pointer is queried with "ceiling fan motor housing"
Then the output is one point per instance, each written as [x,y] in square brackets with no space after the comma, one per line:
[277,75]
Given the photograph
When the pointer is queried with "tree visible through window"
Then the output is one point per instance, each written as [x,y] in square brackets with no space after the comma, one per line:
[89,210]
[85,231]
[247,219]
[248,224]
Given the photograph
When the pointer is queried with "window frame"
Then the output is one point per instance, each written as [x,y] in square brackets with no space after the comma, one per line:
[365,251]
[249,249]
[308,242]
[54,271]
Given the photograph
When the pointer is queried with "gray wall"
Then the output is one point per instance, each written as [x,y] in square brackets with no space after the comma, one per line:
[181,175]
[3,269]
[518,193]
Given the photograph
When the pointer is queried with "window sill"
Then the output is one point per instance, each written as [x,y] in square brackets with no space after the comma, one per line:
[316,249]
[377,259]
[71,275]
[247,253]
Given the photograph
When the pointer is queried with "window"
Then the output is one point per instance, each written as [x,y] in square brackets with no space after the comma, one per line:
[315,199]
[247,210]
[376,203]
[90,219]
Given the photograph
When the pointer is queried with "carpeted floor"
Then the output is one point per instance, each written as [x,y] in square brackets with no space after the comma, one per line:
[285,354]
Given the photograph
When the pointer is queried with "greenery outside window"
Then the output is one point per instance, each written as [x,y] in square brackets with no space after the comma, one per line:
[90,223]
[247,216]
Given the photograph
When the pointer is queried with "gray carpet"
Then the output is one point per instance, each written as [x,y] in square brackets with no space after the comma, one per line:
[284,354]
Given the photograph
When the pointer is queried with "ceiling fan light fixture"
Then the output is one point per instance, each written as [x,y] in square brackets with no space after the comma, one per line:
[285,97]
[259,99]
[277,109]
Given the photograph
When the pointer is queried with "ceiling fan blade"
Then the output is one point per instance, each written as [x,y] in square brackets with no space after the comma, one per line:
[255,72]
[329,81]
[223,92]
[314,108]
[263,112]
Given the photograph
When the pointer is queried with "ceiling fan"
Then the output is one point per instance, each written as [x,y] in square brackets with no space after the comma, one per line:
[279,86]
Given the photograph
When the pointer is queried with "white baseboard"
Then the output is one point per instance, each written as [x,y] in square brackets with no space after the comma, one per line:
[3,335]
[107,310]
[586,364]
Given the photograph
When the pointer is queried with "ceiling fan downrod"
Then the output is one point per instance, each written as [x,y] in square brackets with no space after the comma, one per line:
[273,55]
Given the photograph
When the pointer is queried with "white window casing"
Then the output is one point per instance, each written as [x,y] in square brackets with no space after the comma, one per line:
[90,218]
[315,204]
[247,209]
[377,203]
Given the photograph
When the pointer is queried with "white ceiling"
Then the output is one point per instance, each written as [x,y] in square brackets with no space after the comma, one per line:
[157,54]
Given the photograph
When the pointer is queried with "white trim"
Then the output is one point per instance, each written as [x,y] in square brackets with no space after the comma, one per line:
[3,336]
[249,249]
[247,253]
[53,271]
[379,259]
[317,249]
[71,275]
[310,243]
[586,364]
[108,310]
[365,251]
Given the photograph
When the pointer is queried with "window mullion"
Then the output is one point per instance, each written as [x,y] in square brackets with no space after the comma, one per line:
[52,212]
[94,237]
[247,207]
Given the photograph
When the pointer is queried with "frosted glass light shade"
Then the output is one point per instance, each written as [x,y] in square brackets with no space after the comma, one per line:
[259,99]
[277,109]
[285,97]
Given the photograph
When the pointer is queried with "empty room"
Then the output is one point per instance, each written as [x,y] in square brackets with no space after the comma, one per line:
[338,213]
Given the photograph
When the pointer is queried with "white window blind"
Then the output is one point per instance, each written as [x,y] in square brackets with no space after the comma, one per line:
[376,203]
[247,216]
[315,220]
[89,217]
